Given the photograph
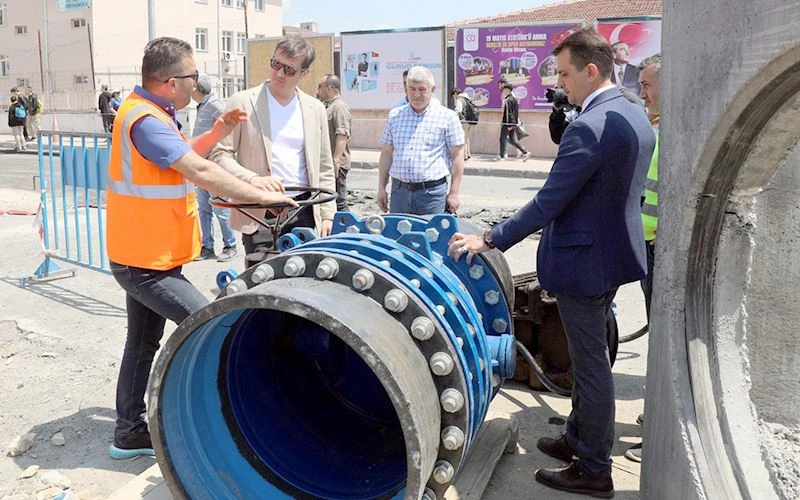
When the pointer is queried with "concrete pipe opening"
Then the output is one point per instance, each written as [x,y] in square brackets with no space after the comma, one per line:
[293,391]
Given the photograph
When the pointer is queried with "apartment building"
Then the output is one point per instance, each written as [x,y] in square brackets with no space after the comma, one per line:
[67,49]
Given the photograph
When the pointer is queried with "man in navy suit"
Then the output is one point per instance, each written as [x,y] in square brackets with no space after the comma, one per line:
[591,244]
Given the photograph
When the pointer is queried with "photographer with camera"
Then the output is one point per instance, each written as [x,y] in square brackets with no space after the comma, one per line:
[563,113]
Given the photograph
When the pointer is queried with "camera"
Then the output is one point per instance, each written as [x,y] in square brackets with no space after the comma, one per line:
[556,96]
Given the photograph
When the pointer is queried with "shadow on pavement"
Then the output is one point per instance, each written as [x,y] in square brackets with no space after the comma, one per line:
[70,298]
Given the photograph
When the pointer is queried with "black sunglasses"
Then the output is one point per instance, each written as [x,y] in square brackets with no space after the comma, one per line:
[287,70]
[194,76]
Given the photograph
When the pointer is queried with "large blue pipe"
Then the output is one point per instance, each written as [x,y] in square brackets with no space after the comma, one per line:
[355,366]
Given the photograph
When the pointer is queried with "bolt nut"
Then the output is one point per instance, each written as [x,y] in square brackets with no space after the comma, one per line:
[422,328]
[375,224]
[427,272]
[452,438]
[499,325]
[295,266]
[492,297]
[404,226]
[476,272]
[441,364]
[395,300]
[363,279]
[416,282]
[236,286]
[471,330]
[452,297]
[452,400]
[443,472]
[428,495]
[433,234]
[386,263]
[442,310]
[263,273]
[327,269]
[352,229]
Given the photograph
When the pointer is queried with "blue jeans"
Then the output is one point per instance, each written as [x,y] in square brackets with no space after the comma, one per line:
[206,211]
[151,297]
[418,202]
[590,426]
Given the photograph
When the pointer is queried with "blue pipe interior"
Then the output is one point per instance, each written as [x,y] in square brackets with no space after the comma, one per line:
[279,407]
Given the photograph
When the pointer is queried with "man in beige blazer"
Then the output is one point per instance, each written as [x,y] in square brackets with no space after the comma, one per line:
[284,141]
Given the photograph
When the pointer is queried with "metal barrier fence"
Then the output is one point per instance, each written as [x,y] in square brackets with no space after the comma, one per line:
[73,174]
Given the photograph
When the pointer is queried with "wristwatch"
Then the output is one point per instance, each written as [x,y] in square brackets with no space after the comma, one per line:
[487,239]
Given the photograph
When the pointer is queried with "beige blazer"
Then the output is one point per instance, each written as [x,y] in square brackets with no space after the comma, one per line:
[248,150]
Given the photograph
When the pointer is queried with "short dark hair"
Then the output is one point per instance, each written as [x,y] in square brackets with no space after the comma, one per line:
[333,82]
[654,59]
[13,98]
[297,46]
[456,91]
[508,86]
[163,59]
[14,89]
[587,46]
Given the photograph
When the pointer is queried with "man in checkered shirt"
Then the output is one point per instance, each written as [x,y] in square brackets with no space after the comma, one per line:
[423,144]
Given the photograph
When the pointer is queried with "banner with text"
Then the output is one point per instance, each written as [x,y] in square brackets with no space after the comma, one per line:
[632,40]
[372,64]
[70,5]
[522,54]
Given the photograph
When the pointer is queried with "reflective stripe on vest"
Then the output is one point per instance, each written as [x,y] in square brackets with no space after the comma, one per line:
[126,185]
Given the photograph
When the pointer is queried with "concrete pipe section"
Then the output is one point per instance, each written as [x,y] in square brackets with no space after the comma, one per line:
[355,366]
[722,410]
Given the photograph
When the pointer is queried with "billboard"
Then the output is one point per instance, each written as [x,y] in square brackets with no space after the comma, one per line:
[522,54]
[372,64]
[631,39]
[260,50]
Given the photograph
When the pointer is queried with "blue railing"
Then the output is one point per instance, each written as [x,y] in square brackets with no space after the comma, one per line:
[73,173]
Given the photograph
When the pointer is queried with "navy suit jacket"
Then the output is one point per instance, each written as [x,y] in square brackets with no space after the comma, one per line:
[589,207]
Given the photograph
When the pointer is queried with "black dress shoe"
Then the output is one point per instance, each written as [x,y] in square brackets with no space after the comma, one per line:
[572,479]
[557,448]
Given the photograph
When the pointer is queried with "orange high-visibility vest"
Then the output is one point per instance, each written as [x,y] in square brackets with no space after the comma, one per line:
[152,211]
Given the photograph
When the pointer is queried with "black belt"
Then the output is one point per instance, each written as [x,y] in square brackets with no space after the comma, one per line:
[414,186]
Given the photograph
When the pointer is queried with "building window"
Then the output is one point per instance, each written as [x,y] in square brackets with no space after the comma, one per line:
[259,5]
[79,23]
[21,30]
[227,41]
[259,35]
[5,67]
[241,43]
[228,86]
[80,79]
[201,1]
[239,83]
[3,13]
[227,3]
[240,4]
[23,82]
[201,39]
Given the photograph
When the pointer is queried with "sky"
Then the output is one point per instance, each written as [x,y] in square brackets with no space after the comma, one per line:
[359,15]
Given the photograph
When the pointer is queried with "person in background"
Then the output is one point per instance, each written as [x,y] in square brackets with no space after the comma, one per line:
[104,105]
[418,164]
[460,99]
[16,122]
[329,91]
[116,100]
[152,226]
[209,108]
[508,128]
[21,99]
[33,124]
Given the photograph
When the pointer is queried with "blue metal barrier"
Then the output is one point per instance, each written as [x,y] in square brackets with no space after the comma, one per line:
[73,170]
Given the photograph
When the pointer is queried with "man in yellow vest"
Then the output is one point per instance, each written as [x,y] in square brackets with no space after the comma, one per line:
[152,225]
[649,71]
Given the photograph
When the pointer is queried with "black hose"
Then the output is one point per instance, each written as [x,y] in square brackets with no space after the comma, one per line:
[635,335]
[540,374]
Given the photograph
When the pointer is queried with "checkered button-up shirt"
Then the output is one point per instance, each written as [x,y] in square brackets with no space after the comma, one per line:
[421,142]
